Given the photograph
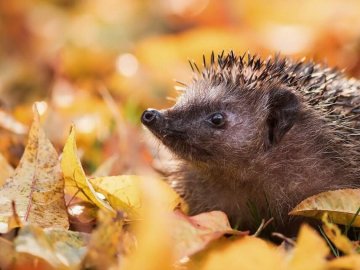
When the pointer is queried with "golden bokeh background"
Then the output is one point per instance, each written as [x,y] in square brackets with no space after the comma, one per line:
[99,63]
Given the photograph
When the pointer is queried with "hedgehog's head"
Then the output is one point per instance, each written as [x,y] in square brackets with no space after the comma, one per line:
[225,119]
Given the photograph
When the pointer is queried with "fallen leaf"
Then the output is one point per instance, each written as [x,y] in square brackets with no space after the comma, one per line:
[246,253]
[349,262]
[341,205]
[104,249]
[14,220]
[7,253]
[10,259]
[124,193]
[5,170]
[37,185]
[155,247]
[334,234]
[60,248]
[192,234]
[70,245]
[76,182]
[310,251]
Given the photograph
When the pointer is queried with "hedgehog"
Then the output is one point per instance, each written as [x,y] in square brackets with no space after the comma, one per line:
[254,137]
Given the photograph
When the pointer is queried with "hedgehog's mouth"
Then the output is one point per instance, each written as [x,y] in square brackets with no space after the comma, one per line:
[180,144]
[177,140]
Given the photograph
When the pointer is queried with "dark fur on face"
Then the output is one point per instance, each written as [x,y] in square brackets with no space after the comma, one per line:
[270,132]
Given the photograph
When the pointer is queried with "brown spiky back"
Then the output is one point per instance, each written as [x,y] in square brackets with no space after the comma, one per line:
[328,91]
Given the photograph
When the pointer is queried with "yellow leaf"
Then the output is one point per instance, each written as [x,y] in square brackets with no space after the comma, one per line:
[76,182]
[247,253]
[60,248]
[5,170]
[155,246]
[192,234]
[310,252]
[37,185]
[341,205]
[124,193]
[349,262]
[334,234]
[104,249]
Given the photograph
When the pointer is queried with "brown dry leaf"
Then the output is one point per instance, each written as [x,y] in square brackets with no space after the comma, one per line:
[104,248]
[10,259]
[246,253]
[310,251]
[334,234]
[61,249]
[341,205]
[37,185]
[7,253]
[192,234]
[76,182]
[124,193]
[5,170]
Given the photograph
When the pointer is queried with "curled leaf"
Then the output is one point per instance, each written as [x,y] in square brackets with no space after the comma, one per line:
[76,182]
[342,206]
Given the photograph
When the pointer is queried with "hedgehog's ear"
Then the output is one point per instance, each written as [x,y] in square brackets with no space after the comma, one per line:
[283,110]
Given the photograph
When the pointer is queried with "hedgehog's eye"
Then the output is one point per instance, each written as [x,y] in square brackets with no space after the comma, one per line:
[217,120]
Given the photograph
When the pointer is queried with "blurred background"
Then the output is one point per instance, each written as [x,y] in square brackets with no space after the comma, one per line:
[100,63]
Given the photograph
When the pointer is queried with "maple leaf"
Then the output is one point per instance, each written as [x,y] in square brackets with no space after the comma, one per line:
[37,185]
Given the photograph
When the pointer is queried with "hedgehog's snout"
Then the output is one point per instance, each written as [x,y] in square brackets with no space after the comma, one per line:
[154,120]
[150,117]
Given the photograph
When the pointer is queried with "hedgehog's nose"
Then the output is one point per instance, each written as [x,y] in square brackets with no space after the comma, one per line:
[150,116]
